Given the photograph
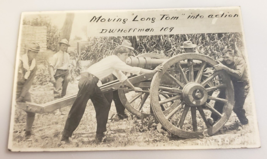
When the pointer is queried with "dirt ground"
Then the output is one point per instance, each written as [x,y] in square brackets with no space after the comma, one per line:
[125,134]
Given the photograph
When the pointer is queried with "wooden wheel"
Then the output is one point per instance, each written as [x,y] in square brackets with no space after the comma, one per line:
[135,102]
[139,102]
[196,92]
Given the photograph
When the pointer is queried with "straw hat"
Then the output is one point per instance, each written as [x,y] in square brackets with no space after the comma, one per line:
[188,44]
[64,41]
[127,44]
[35,47]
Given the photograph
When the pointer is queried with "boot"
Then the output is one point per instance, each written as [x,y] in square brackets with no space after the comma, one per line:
[99,137]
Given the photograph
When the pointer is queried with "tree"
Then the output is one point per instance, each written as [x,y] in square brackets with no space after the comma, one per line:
[66,29]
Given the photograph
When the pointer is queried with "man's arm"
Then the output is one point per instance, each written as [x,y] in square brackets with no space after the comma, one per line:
[20,77]
[237,73]
[238,51]
[144,71]
[28,84]
[69,64]
[123,78]
[52,64]
[51,72]
[122,66]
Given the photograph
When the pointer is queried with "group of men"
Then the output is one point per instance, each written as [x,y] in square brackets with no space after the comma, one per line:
[112,65]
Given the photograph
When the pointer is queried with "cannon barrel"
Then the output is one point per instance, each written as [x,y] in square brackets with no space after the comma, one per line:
[151,63]
[144,62]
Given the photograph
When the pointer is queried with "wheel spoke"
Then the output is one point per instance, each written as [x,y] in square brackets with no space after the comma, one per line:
[204,83]
[194,118]
[170,99]
[135,97]
[166,93]
[174,79]
[143,101]
[215,87]
[201,112]
[213,110]
[144,91]
[191,70]
[182,72]
[162,107]
[181,122]
[173,90]
[200,72]
[172,110]
[218,99]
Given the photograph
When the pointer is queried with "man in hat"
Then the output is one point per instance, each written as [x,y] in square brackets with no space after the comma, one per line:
[189,47]
[88,89]
[26,72]
[236,67]
[59,68]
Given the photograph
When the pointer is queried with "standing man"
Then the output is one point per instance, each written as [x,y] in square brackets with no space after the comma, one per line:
[26,73]
[59,68]
[189,47]
[88,89]
[236,68]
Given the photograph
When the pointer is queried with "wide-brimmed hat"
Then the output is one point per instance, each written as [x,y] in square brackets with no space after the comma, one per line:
[127,44]
[188,44]
[35,47]
[64,41]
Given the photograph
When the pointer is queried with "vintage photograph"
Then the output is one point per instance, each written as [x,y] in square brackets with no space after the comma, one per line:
[132,80]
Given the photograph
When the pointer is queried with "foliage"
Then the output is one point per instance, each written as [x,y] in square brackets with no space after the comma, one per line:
[212,44]
[42,90]
[42,76]
[53,33]
[97,48]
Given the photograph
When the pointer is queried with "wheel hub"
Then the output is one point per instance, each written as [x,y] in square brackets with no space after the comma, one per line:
[194,94]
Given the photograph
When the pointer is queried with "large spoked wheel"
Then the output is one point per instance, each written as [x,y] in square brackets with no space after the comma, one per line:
[137,102]
[197,90]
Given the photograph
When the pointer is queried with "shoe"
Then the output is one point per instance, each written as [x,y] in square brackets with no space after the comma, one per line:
[65,139]
[123,116]
[28,134]
[118,117]
[210,121]
[99,138]
[244,121]
[57,96]
[58,112]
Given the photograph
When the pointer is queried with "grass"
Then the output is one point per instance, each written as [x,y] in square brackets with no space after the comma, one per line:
[127,133]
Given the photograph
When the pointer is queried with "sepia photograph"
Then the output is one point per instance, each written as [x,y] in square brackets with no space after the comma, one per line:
[132,80]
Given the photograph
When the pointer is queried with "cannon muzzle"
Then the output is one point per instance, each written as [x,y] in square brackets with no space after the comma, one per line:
[144,62]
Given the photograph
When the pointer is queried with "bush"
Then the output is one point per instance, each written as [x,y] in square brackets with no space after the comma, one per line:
[53,34]
[211,44]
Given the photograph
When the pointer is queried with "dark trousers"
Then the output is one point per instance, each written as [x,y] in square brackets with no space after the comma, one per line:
[88,89]
[61,80]
[115,96]
[30,115]
[240,97]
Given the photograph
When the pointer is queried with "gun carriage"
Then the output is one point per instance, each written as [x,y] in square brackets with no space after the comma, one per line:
[184,85]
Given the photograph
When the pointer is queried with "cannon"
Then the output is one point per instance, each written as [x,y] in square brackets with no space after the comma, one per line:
[184,85]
